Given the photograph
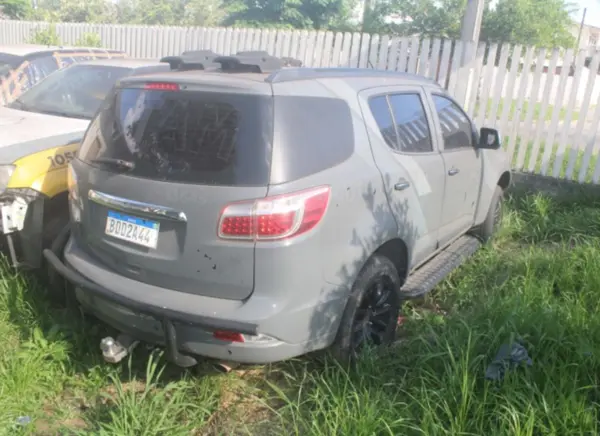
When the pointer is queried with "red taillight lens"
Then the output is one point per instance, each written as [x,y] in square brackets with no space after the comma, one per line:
[161,86]
[223,335]
[278,217]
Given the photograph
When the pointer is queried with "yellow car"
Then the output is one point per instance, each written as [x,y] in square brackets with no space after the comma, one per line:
[39,135]
[24,65]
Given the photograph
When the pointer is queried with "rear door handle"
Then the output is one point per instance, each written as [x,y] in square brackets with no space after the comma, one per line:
[453,171]
[402,185]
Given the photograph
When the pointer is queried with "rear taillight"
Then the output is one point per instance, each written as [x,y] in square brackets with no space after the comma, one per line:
[161,86]
[277,217]
[228,336]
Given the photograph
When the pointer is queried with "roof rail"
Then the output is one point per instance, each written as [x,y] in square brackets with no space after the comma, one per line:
[291,74]
[193,60]
[254,62]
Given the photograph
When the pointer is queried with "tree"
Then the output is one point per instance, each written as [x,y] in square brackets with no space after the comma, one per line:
[530,22]
[75,11]
[15,9]
[543,23]
[299,14]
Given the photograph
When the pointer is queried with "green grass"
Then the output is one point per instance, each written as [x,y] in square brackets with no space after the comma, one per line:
[538,281]
[537,108]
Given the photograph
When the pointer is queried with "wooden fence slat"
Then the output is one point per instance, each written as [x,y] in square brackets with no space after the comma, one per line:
[442,76]
[455,67]
[533,158]
[529,112]
[434,61]
[354,50]
[413,60]
[474,80]
[500,82]
[382,56]
[581,122]
[424,57]
[562,84]
[564,138]
[504,122]
[402,61]
[488,74]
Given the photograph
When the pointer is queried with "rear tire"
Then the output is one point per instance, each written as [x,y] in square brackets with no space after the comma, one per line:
[493,219]
[371,314]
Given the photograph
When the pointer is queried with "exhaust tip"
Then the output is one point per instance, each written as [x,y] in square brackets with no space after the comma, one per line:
[225,367]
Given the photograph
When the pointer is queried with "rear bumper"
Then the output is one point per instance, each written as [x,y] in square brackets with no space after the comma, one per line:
[183,333]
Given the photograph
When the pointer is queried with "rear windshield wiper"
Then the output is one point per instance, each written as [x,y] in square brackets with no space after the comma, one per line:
[124,164]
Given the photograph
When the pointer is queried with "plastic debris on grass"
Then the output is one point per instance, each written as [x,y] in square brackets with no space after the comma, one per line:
[508,357]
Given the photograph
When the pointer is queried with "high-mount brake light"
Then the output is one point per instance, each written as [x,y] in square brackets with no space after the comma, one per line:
[161,86]
[274,218]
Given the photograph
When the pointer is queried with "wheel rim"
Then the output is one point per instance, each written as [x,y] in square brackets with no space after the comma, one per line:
[374,315]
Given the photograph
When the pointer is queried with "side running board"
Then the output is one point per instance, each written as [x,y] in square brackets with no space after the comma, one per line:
[438,268]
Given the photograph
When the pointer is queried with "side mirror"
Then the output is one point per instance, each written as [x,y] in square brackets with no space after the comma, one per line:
[489,139]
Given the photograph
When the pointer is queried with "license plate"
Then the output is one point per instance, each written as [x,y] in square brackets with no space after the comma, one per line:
[132,229]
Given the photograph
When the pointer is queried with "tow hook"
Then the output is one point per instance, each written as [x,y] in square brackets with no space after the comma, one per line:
[113,351]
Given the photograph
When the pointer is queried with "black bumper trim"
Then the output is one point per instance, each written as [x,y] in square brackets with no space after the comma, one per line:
[166,316]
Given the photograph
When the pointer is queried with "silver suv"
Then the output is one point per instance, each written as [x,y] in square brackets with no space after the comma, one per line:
[251,212]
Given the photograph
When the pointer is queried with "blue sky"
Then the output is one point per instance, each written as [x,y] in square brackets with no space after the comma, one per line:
[593,11]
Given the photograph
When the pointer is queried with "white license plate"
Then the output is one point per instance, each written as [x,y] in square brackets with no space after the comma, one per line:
[132,229]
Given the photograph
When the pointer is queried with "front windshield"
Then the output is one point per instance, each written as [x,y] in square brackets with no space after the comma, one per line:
[75,92]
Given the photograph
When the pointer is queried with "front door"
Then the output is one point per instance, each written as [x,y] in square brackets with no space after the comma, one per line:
[399,126]
[462,165]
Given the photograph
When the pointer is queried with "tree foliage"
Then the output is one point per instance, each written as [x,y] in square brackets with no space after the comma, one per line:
[544,23]
[15,9]
[532,22]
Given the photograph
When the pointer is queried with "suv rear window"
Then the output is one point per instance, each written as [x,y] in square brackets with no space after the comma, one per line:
[207,138]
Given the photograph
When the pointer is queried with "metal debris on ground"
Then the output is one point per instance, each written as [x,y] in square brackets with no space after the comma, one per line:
[509,356]
[23,421]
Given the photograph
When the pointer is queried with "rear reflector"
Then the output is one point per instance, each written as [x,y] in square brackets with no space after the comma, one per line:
[274,218]
[223,335]
[162,86]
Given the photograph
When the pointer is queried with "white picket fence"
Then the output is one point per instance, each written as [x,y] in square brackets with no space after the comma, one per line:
[548,116]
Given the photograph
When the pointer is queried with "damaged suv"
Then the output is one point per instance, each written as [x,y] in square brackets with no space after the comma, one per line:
[253,213]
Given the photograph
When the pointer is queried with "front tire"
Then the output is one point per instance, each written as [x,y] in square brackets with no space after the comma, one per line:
[371,314]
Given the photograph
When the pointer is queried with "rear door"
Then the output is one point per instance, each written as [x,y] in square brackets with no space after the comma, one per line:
[188,154]
[463,166]
[406,153]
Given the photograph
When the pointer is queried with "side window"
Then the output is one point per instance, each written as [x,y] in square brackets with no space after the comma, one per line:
[411,123]
[456,126]
[381,112]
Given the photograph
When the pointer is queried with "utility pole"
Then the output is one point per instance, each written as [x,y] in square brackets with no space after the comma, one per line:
[471,23]
[580,30]
[469,35]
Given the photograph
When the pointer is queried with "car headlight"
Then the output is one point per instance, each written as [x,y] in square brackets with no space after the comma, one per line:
[6,172]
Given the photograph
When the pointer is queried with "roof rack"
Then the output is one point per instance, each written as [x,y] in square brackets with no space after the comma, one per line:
[193,60]
[255,62]
[291,74]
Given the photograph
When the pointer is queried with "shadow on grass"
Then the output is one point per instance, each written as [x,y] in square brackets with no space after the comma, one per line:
[65,384]
[433,381]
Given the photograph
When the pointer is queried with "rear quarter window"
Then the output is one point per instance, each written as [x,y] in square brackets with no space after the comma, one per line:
[311,135]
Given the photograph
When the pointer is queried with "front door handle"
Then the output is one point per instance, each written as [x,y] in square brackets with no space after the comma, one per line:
[453,171]
[402,185]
